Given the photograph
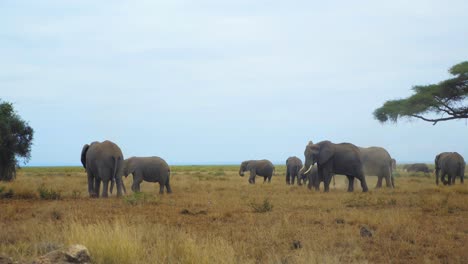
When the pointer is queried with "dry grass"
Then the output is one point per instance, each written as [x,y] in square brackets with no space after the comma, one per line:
[210,218]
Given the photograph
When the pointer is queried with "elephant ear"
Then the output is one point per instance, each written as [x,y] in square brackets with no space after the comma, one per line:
[326,152]
[83,155]
[436,161]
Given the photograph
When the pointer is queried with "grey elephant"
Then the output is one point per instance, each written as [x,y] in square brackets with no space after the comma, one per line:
[257,167]
[376,161]
[331,158]
[103,162]
[293,165]
[417,167]
[150,169]
[394,164]
[449,164]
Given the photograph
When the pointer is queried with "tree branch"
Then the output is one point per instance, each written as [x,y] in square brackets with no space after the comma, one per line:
[435,120]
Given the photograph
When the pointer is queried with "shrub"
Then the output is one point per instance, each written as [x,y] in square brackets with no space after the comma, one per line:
[48,194]
[264,207]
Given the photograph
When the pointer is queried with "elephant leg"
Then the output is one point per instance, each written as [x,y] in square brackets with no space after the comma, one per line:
[388,180]
[326,180]
[288,177]
[137,179]
[105,187]
[252,177]
[393,181]
[161,188]
[362,178]
[269,178]
[91,185]
[379,181]
[168,187]
[350,183]
[97,186]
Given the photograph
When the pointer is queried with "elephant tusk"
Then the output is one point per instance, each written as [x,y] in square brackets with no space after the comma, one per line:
[308,169]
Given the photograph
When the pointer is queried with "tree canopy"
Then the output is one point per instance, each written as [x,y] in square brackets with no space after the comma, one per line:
[15,141]
[447,100]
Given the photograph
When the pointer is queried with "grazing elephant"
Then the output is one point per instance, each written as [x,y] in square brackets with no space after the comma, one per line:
[257,167]
[293,165]
[103,162]
[343,158]
[451,164]
[417,167]
[376,161]
[150,169]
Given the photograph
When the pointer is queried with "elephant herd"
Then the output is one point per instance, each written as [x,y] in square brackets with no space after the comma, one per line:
[353,162]
[104,162]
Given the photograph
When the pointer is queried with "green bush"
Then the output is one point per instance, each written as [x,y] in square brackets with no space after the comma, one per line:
[49,194]
[264,207]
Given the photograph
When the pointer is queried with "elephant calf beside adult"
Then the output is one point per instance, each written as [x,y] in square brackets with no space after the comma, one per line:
[103,162]
[293,166]
[449,164]
[257,167]
[150,169]
[331,158]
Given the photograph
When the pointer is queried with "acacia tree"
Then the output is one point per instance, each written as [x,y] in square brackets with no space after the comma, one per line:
[445,100]
[15,141]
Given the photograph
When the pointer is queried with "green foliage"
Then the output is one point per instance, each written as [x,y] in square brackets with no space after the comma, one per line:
[49,194]
[445,99]
[15,141]
[264,207]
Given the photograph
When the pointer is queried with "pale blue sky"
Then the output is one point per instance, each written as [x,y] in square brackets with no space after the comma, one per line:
[216,81]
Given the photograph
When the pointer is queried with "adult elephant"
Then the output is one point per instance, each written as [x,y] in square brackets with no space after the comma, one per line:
[376,161]
[451,164]
[103,162]
[293,166]
[150,169]
[257,167]
[331,158]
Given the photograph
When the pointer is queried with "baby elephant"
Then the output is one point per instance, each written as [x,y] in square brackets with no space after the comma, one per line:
[150,169]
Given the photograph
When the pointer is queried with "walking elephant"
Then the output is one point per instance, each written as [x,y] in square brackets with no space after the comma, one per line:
[150,169]
[103,162]
[257,167]
[343,158]
[451,164]
[376,161]
[293,165]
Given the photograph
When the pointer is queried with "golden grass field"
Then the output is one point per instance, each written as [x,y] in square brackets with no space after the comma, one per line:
[210,218]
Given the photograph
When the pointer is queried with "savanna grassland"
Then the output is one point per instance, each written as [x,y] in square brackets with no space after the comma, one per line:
[215,216]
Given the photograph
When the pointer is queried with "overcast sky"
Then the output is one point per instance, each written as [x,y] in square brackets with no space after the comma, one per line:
[211,81]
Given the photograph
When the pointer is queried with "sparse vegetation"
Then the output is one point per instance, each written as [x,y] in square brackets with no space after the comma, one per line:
[211,221]
[263,207]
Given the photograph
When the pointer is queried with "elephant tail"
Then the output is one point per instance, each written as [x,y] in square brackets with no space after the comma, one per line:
[117,162]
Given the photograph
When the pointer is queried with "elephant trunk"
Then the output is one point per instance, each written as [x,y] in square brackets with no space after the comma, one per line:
[241,173]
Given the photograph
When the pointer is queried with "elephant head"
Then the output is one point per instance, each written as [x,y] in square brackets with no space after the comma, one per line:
[317,153]
[243,167]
